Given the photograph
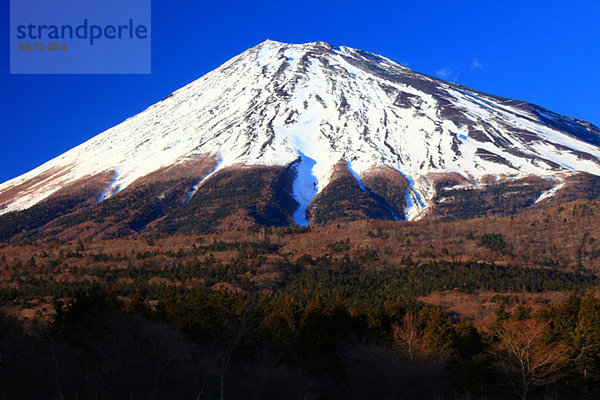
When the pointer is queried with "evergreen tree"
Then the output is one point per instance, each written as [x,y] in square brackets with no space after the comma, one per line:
[586,340]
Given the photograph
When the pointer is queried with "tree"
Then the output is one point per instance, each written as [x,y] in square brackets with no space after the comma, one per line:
[564,318]
[586,340]
[501,313]
[79,246]
[438,336]
[468,367]
[239,330]
[408,336]
[525,358]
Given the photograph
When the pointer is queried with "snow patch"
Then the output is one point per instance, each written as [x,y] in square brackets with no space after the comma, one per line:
[304,187]
[196,184]
[550,192]
[356,176]
[111,189]
[414,205]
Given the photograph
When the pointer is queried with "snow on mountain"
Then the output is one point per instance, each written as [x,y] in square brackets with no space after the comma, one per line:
[316,104]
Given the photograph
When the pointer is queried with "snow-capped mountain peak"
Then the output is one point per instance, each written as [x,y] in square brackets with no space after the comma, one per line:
[311,106]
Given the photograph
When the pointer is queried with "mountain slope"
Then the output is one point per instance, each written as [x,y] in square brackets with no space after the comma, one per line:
[322,113]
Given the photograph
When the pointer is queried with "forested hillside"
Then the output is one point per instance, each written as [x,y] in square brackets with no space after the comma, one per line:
[366,309]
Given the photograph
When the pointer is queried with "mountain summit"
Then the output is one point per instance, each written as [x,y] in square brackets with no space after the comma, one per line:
[307,133]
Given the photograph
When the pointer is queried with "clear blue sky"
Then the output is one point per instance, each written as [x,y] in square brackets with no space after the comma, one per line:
[545,52]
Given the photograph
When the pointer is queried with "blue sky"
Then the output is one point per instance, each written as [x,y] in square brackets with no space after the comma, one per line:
[545,52]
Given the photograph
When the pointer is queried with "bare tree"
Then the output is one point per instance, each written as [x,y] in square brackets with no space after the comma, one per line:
[240,329]
[408,336]
[525,358]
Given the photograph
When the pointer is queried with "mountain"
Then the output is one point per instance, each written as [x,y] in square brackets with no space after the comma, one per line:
[307,133]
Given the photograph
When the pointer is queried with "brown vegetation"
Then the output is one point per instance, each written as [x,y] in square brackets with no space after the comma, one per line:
[525,357]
